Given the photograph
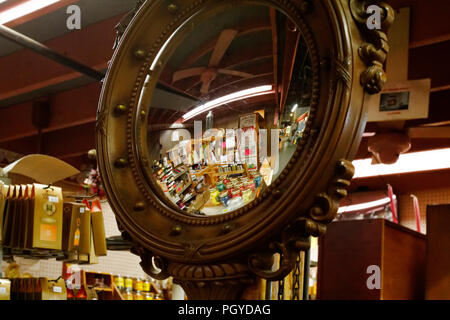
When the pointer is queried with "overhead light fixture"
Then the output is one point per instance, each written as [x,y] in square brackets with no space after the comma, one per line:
[410,162]
[294,108]
[240,95]
[24,9]
[365,205]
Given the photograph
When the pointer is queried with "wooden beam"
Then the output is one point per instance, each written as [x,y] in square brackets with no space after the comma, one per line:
[28,71]
[428,19]
[430,62]
[429,132]
[69,108]
[36,14]
[403,183]
[430,41]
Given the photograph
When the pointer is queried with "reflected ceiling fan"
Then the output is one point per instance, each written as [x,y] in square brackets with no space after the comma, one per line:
[209,73]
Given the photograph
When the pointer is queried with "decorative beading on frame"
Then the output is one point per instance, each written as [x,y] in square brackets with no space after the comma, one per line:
[290,6]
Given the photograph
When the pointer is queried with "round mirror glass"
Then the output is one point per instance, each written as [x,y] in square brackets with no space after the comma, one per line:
[229,109]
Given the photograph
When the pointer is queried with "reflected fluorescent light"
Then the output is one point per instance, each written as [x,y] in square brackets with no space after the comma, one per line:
[240,95]
[409,162]
[294,108]
[24,9]
[369,134]
[365,205]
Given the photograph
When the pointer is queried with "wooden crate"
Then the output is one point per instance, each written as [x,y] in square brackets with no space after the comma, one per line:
[350,247]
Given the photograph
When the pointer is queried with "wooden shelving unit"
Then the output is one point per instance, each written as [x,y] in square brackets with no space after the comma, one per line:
[109,292]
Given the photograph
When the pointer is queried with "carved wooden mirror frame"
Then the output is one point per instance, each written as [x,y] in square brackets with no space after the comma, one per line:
[217,257]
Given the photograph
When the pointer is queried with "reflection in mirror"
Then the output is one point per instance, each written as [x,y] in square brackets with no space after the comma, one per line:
[230,107]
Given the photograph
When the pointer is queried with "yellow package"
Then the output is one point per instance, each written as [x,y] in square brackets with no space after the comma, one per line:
[48,217]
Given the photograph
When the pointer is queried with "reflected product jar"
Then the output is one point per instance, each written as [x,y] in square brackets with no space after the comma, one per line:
[224,198]
[258,180]
[251,185]
[236,203]
[236,193]
[247,195]
[214,196]
[240,186]
[220,186]
[229,187]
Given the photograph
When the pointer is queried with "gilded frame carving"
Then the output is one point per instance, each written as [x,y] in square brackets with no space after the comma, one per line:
[347,63]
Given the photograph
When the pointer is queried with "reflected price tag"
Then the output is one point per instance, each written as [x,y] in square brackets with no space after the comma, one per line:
[53,199]
[57,289]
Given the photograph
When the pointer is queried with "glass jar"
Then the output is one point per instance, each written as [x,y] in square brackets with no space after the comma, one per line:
[251,185]
[224,198]
[146,285]
[149,296]
[138,296]
[138,284]
[247,195]
[258,181]
[128,295]
[220,186]
[129,283]
[236,193]
[119,282]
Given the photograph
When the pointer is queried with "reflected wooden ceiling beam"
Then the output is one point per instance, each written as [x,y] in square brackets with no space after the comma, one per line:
[238,106]
[273,23]
[241,82]
[236,62]
[256,70]
[252,27]
[290,54]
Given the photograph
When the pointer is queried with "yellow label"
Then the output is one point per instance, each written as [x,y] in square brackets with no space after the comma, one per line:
[129,283]
[76,239]
[48,232]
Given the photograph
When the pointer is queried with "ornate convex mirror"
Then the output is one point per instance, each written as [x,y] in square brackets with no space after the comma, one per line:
[225,131]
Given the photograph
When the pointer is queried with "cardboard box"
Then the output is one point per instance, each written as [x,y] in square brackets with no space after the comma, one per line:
[53,290]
